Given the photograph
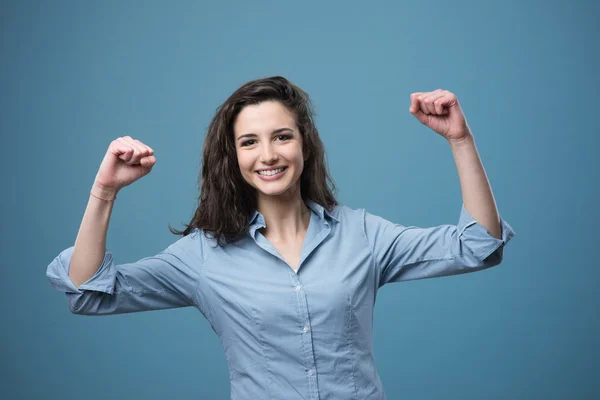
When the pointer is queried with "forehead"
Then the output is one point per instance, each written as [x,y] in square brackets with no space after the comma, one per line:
[264,117]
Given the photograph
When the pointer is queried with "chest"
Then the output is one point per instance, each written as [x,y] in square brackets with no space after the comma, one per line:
[290,251]
[268,283]
[263,275]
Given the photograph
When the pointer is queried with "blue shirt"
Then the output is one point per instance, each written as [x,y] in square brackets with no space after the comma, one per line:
[288,335]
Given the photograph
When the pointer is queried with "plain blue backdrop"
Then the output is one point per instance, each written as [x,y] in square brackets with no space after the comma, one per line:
[77,74]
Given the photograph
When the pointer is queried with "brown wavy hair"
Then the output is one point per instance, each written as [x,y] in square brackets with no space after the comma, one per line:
[226,200]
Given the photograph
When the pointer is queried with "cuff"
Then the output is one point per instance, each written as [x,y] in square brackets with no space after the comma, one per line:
[102,281]
[476,237]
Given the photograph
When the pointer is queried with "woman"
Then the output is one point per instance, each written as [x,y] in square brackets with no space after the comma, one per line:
[286,276]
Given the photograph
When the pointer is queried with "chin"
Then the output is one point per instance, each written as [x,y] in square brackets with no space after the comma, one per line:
[271,192]
[279,189]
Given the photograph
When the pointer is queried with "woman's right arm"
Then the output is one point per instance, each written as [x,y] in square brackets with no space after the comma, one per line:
[125,161]
[90,244]
[93,282]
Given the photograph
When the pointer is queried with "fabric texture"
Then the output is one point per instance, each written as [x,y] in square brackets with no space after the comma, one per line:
[289,335]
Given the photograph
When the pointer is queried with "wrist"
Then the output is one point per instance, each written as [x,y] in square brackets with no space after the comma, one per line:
[104,192]
[466,140]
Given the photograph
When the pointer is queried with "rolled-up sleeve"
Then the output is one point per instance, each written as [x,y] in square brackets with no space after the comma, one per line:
[403,253]
[167,280]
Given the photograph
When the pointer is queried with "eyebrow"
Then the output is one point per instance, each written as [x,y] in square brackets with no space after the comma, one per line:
[246,135]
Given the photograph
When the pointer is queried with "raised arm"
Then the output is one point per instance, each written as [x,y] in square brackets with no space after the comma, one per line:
[441,111]
[476,242]
[125,161]
[86,272]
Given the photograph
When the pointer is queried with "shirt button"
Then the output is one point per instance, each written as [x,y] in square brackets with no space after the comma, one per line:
[305,329]
[310,372]
[297,288]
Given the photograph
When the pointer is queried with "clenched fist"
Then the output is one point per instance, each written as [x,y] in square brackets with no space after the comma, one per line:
[125,161]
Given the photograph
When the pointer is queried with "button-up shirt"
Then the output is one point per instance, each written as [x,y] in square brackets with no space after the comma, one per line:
[304,334]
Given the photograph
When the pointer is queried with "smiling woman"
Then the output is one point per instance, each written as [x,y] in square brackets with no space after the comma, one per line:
[264,125]
[286,276]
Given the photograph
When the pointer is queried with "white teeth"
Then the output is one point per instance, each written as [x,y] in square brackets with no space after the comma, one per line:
[271,172]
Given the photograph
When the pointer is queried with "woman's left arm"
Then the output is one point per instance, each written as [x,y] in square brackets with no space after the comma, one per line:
[440,111]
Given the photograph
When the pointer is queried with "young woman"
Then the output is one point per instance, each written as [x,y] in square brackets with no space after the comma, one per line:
[286,276]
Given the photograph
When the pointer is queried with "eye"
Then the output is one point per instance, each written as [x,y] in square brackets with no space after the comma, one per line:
[284,137]
[247,143]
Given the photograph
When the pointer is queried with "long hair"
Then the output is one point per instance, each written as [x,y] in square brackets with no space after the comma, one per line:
[226,200]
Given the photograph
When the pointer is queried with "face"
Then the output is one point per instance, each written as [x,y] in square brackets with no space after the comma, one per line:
[269,149]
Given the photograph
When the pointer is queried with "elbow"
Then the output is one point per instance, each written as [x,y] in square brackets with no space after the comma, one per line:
[74,302]
[77,303]
[493,259]
[91,303]
[472,262]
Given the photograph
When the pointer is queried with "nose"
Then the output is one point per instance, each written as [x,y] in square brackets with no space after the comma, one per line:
[268,155]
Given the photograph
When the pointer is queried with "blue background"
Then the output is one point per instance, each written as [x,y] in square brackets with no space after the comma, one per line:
[77,74]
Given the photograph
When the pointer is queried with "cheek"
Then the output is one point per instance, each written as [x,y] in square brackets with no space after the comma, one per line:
[243,161]
[300,159]
[245,170]
[298,165]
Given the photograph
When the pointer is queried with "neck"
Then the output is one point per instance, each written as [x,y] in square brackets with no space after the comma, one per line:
[286,217]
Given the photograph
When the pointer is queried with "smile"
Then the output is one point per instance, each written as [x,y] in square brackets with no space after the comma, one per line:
[271,171]
[271,174]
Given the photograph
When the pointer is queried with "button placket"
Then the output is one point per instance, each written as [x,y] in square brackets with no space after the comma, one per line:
[306,337]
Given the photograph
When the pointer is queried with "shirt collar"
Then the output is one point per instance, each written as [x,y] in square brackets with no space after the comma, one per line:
[321,211]
[257,220]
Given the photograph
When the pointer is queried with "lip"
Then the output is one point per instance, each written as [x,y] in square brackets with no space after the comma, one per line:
[271,177]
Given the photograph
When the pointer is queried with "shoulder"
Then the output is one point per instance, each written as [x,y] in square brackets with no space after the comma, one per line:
[360,217]
[190,246]
[346,215]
